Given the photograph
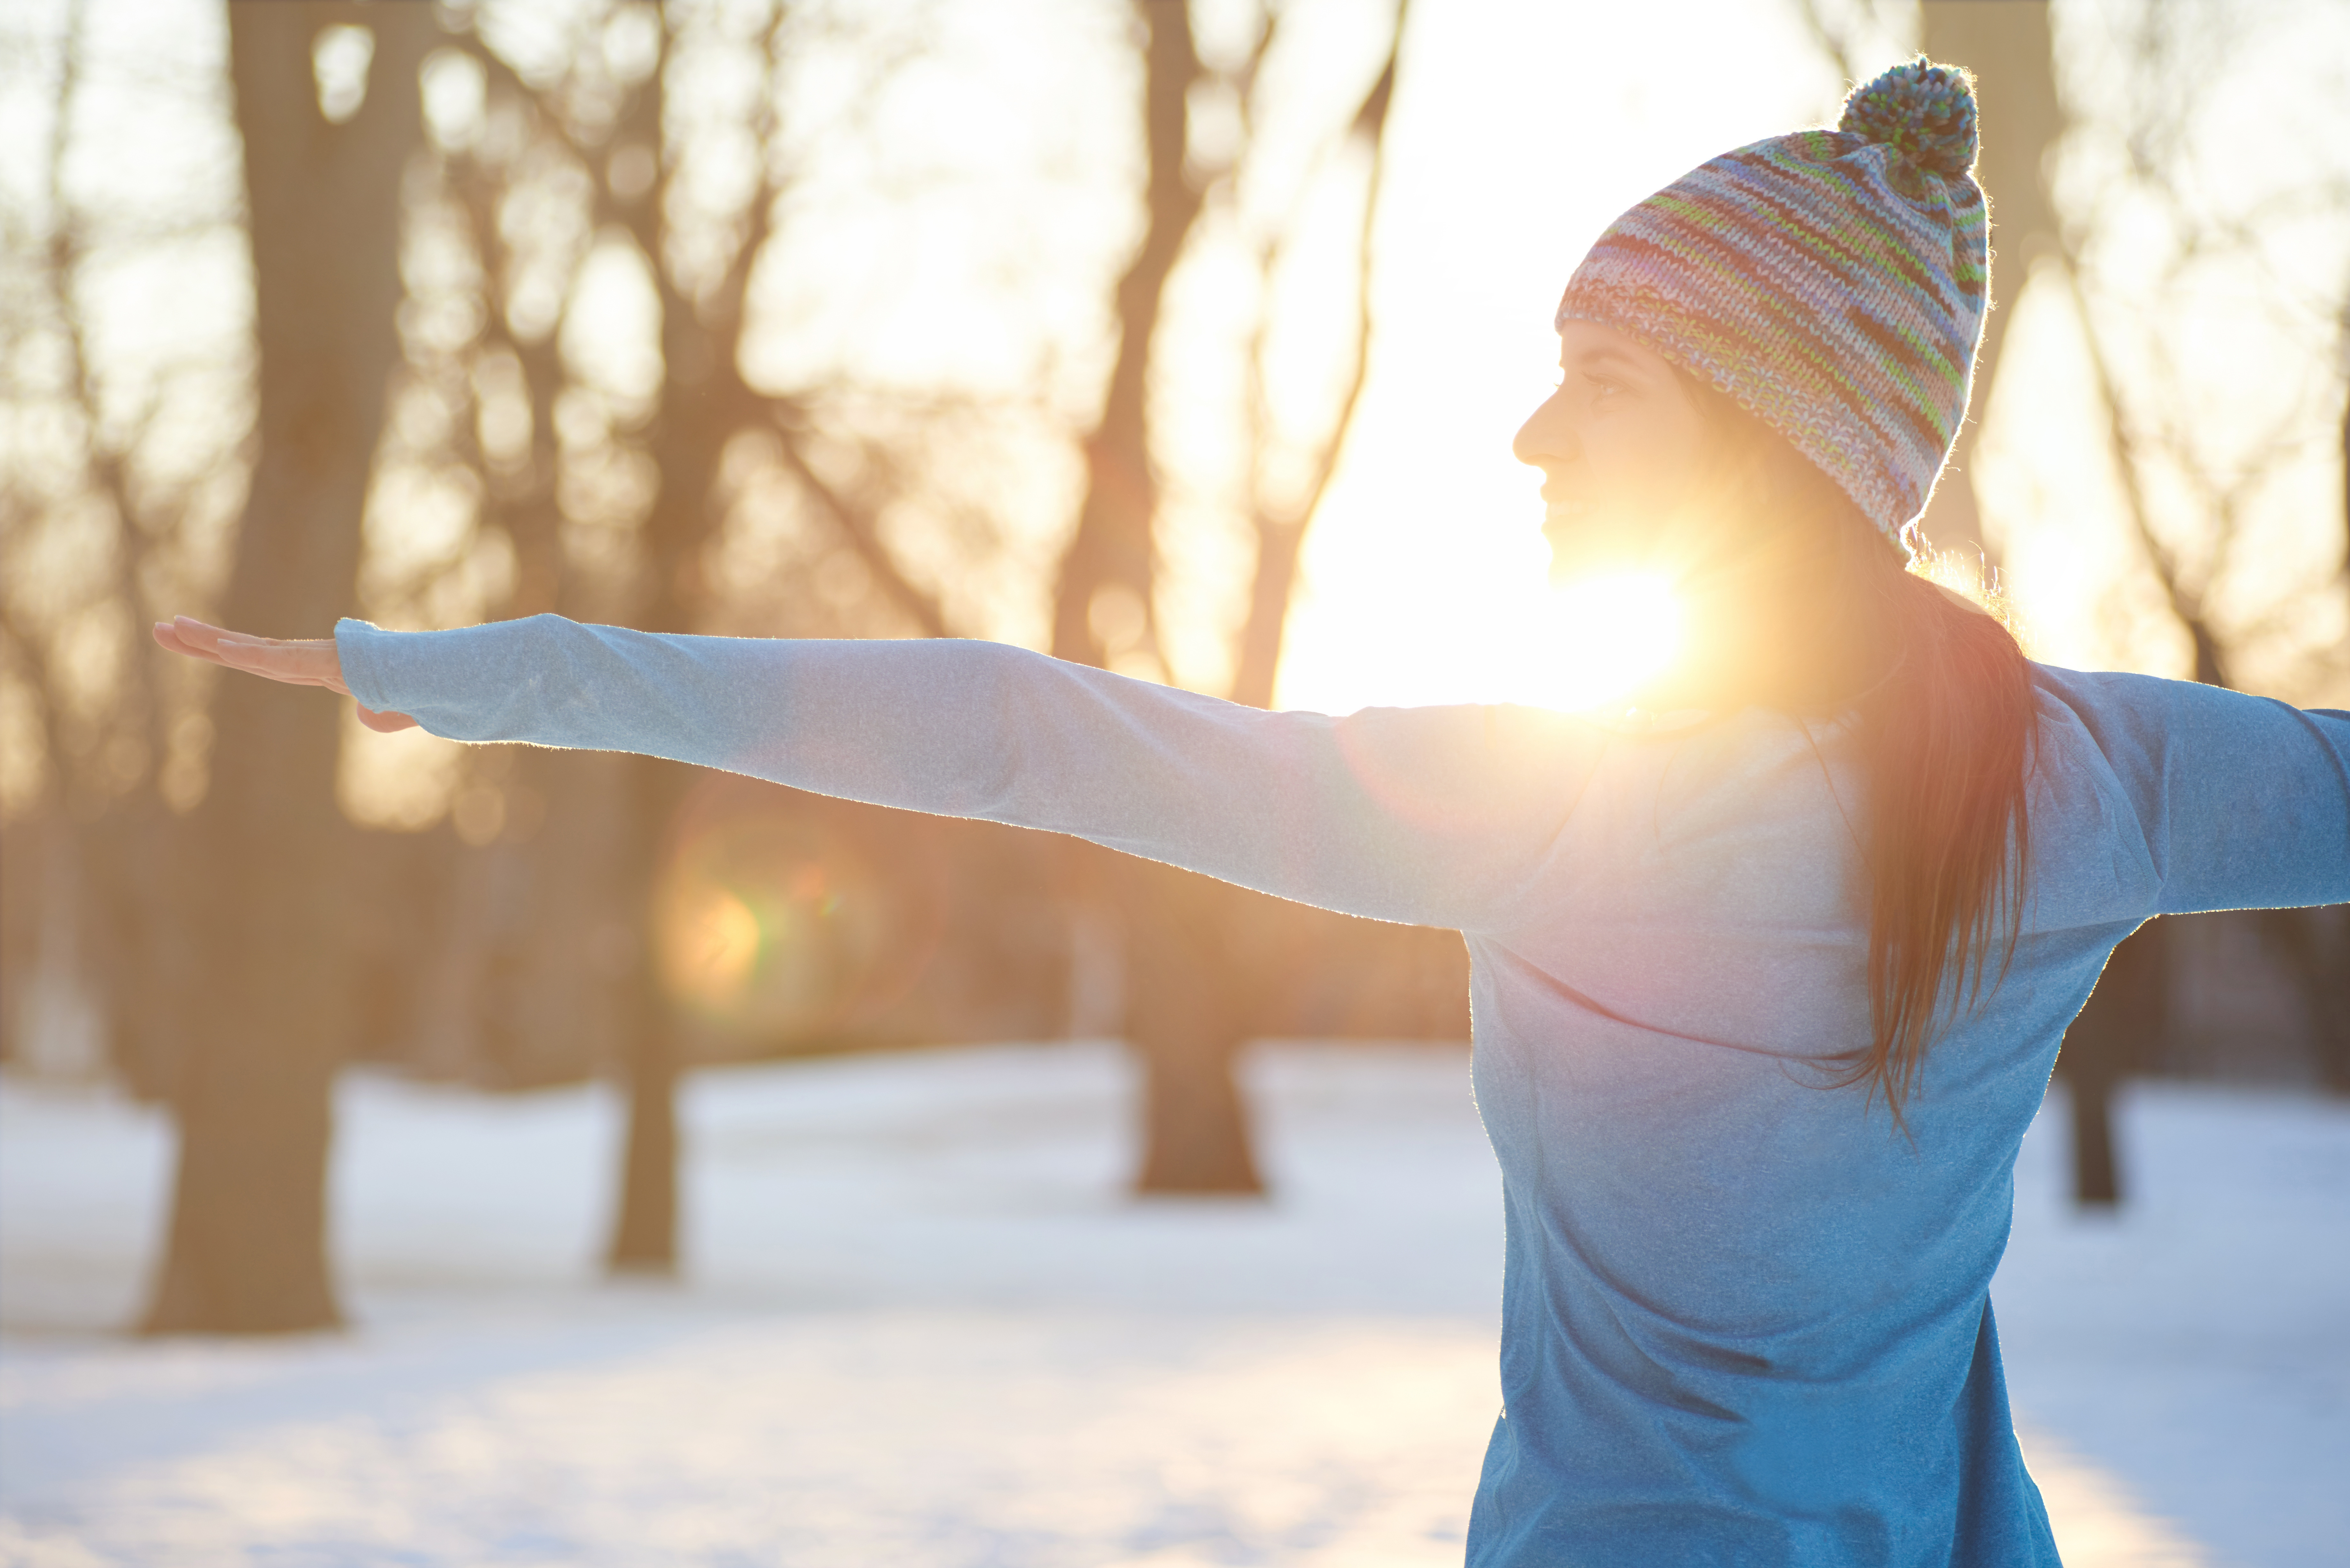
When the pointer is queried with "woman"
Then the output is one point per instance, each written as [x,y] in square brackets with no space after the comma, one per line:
[1768,974]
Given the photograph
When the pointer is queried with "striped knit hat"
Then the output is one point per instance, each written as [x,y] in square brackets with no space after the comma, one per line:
[1833,282]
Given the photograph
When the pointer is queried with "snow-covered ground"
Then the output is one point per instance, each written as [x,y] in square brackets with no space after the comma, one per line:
[923,1325]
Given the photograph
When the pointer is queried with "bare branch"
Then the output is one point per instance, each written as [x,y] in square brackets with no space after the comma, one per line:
[105,465]
[857,525]
[1281,529]
[2184,604]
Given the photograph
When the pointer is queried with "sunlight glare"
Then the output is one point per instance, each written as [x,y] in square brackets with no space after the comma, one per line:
[1590,641]
[711,949]
[1604,635]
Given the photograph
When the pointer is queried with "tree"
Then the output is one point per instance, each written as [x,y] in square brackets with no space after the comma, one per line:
[1197,958]
[1103,597]
[246,1251]
[515,473]
[2153,230]
[97,514]
[594,494]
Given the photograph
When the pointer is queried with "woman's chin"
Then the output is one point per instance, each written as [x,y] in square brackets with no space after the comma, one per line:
[1583,545]
[1565,533]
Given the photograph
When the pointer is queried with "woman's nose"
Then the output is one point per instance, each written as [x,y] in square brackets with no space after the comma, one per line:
[1547,436]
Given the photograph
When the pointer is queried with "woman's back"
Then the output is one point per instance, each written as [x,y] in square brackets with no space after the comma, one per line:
[1746,1318]
[1727,1278]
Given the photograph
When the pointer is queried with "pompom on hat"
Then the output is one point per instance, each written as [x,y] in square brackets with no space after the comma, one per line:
[1832,282]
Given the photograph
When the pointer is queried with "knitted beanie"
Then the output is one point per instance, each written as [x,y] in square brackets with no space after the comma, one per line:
[1832,282]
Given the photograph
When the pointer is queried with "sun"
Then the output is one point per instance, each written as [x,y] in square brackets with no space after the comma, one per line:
[1485,622]
[1608,634]
[1591,641]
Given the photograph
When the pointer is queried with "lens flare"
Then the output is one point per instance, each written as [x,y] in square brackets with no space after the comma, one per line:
[1606,635]
[710,947]
[776,921]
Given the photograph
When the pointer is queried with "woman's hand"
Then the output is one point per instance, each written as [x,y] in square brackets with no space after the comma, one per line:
[310,661]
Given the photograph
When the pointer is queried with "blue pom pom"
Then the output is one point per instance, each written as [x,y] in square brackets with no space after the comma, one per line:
[1924,112]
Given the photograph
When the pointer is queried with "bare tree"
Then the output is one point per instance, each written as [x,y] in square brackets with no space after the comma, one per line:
[608,502]
[2010,48]
[246,1250]
[94,531]
[1198,955]
[1103,593]
[1281,508]
[2149,229]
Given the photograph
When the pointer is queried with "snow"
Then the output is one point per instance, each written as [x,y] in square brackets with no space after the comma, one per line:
[923,1325]
[2198,1342]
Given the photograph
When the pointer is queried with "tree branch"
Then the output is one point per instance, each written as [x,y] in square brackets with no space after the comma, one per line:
[2184,604]
[1281,529]
[858,527]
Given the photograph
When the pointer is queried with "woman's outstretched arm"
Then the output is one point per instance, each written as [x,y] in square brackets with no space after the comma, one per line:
[1429,816]
[2240,802]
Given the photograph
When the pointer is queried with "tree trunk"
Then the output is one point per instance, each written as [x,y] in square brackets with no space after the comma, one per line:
[2006,44]
[645,1224]
[1112,547]
[1195,1134]
[2121,1028]
[704,401]
[2315,945]
[1187,1017]
[247,1252]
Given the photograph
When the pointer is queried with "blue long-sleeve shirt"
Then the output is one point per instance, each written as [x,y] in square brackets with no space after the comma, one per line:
[1745,1320]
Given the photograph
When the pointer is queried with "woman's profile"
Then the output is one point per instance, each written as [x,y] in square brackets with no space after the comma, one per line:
[1768,973]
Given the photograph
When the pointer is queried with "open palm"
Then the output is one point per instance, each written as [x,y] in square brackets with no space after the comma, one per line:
[306,661]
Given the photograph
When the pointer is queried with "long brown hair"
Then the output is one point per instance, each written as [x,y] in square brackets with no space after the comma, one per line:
[1824,616]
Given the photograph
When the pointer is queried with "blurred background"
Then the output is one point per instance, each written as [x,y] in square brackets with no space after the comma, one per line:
[1182,339]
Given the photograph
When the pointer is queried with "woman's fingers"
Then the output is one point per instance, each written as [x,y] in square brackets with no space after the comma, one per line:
[305,661]
[309,661]
[199,639]
[168,634]
[189,634]
[297,663]
[385,723]
[294,663]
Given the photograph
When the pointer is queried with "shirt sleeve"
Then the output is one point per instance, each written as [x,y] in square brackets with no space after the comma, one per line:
[1426,815]
[2242,802]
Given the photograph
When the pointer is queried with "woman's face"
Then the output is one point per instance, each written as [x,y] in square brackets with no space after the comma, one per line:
[1619,444]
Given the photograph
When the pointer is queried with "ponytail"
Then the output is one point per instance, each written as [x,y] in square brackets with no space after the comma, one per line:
[1829,608]
[1945,744]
